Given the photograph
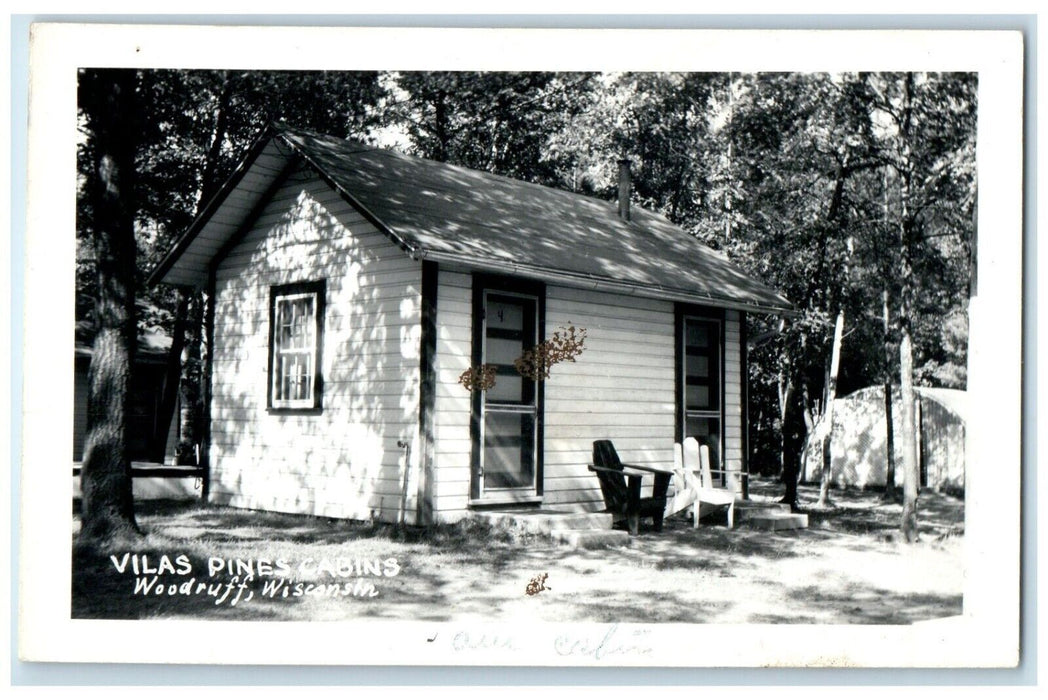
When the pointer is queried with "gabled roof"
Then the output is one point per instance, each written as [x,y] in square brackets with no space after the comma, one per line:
[954,400]
[455,215]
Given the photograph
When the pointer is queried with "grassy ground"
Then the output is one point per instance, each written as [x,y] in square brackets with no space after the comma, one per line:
[848,567]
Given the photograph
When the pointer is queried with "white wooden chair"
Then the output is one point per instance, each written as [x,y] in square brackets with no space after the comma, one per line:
[696,459]
[685,485]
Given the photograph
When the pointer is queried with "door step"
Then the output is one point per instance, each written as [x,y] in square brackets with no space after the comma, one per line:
[545,521]
[769,515]
[777,520]
[748,509]
[591,539]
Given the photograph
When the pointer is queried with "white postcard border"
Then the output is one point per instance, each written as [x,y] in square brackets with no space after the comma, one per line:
[986,635]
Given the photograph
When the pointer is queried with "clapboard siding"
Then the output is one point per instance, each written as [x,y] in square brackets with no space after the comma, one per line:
[620,388]
[346,460]
[733,408]
[451,406]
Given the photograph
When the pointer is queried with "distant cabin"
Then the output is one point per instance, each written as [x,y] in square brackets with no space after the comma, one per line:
[154,477]
[354,286]
[147,384]
[860,436]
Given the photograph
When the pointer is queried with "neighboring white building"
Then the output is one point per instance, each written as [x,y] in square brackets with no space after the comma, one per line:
[858,445]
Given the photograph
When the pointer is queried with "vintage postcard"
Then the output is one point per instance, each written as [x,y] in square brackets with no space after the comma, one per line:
[522,347]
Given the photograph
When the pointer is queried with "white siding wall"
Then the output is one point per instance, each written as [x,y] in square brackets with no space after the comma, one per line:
[621,388]
[733,408]
[344,462]
[451,468]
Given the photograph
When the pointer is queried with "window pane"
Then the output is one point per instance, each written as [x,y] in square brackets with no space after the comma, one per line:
[698,366]
[698,398]
[284,330]
[284,382]
[508,388]
[697,334]
[301,376]
[501,351]
[506,315]
[509,450]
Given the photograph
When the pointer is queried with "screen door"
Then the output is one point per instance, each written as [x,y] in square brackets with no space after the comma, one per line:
[509,410]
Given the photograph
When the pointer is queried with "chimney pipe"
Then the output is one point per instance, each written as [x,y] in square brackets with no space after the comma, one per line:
[625,187]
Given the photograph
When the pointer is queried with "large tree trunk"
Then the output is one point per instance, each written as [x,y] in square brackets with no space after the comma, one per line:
[911,467]
[827,411]
[107,510]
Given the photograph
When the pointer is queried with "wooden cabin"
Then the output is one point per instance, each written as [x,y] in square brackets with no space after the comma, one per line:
[354,286]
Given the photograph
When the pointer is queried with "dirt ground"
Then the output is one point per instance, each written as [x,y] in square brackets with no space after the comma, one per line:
[847,567]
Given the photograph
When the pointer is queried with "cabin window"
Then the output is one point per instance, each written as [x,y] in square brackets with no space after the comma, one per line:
[296,321]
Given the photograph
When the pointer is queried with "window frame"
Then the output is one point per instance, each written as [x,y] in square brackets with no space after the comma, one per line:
[288,292]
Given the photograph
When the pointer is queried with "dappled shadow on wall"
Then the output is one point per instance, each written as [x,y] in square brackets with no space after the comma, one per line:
[351,458]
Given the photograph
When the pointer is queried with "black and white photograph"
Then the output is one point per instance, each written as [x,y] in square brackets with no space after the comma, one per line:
[530,361]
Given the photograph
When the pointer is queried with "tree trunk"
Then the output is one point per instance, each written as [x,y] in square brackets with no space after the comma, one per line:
[189,440]
[911,469]
[172,380]
[789,467]
[107,509]
[889,475]
[911,474]
[827,411]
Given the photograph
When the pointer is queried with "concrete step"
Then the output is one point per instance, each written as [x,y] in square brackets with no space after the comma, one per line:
[774,520]
[591,539]
[543,522]
[744,510]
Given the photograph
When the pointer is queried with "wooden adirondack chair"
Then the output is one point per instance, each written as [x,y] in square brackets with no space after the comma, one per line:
[620,485]
[697,463]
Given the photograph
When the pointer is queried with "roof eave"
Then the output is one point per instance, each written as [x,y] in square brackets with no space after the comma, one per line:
[604,284]
[164,266]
